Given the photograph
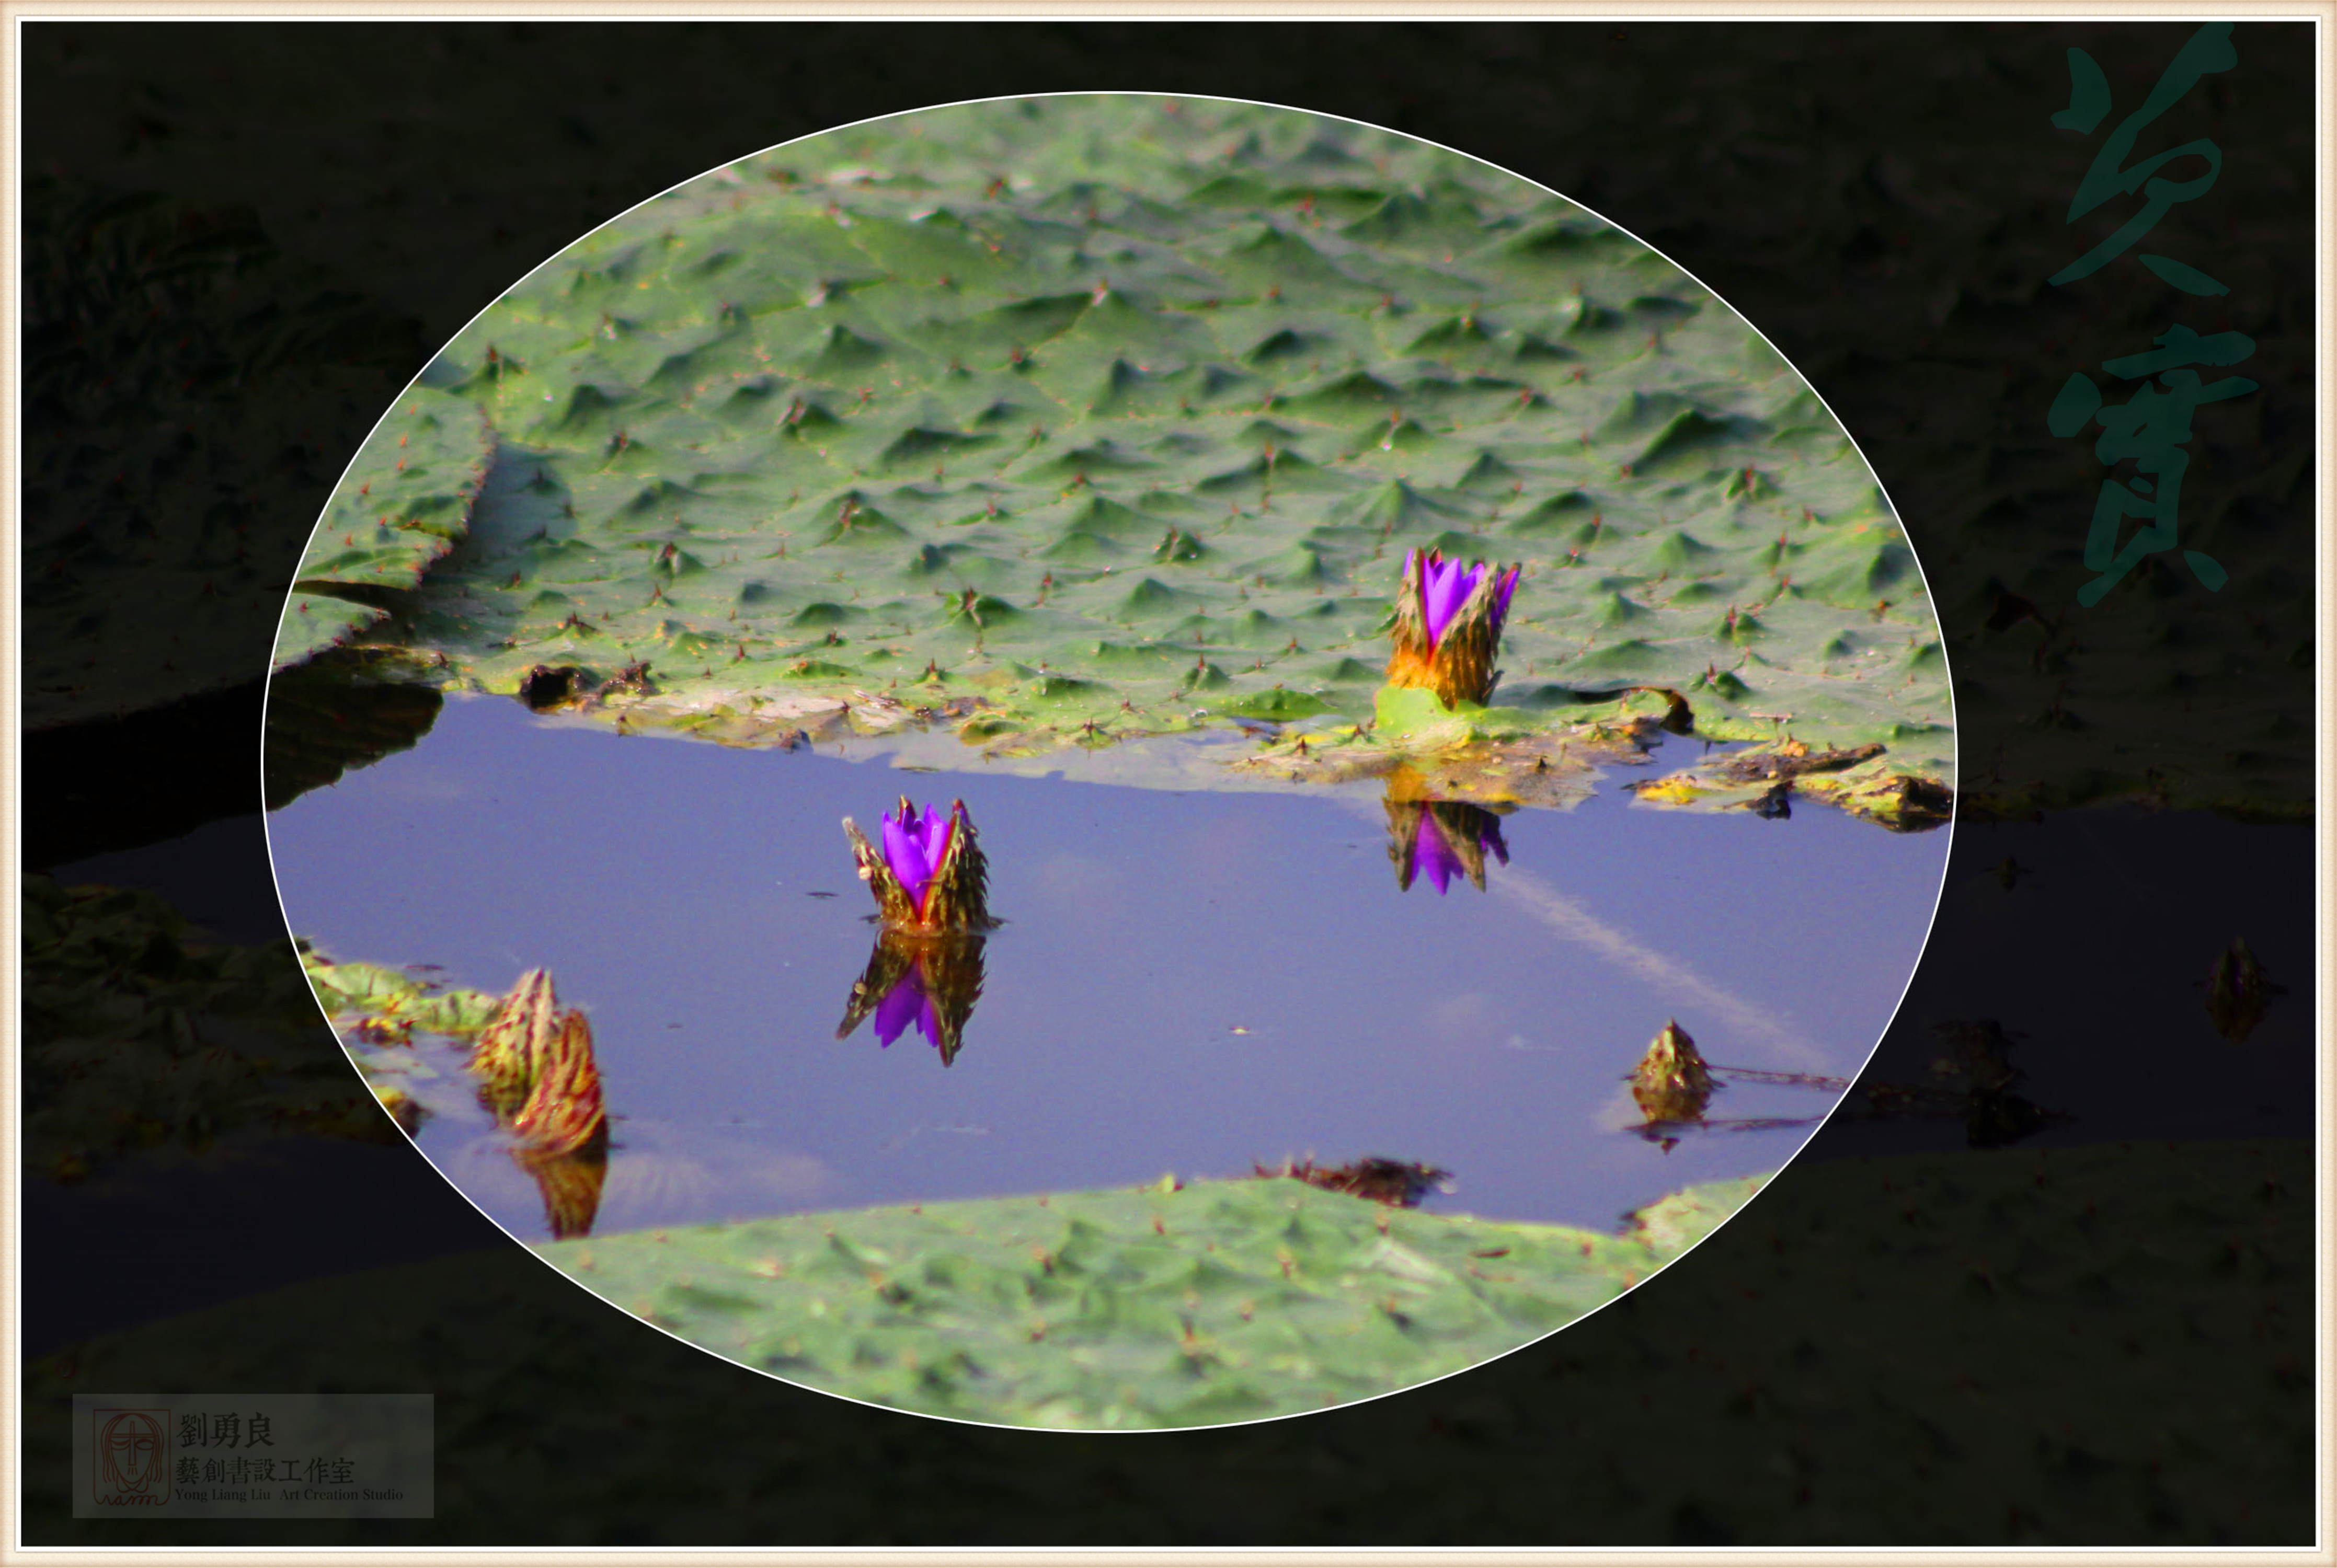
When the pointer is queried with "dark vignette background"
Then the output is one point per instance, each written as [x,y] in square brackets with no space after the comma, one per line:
[1907,1340]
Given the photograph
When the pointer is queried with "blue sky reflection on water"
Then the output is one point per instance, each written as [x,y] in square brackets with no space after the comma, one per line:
[1188,982]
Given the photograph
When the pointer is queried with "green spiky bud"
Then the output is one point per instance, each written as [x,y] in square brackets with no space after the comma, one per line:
[1672,1082]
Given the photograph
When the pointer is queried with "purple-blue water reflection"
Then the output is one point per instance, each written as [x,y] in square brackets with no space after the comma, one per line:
[1187,982]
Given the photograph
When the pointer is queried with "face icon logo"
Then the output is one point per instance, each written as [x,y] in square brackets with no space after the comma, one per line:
[132,1456]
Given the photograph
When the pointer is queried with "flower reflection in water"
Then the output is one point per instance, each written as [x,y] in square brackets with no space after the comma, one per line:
[1437,839]
[569,1185]
[928,980]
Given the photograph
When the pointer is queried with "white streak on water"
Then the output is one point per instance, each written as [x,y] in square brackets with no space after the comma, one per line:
[1572,921]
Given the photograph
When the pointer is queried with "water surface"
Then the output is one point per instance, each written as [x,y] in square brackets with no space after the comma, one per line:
[1188,982]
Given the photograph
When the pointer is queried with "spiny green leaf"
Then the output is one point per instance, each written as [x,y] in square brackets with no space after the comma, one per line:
[1113,402]
[1164,1306]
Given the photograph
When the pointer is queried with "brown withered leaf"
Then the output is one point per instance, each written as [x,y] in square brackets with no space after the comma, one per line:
[1394,1183]
[1792,759]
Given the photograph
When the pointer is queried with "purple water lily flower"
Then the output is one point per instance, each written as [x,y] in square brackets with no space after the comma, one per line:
[1448,626]
[929,874]
[913,848]
[1446,586]
[1506,586]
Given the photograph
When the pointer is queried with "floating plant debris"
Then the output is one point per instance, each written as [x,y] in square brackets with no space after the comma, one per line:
[1791,759]
[407,1112]
[634,680]
[1382,1181]
[547,687]
[2238,991]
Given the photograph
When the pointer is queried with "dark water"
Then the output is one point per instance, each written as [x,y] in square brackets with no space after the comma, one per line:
[1187,982]
[2089,936]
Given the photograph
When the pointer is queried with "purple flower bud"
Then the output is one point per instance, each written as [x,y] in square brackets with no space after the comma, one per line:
[1434,648]
[1506,586]
[904,854]
[914,847]
[1445,586]
[936,833]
